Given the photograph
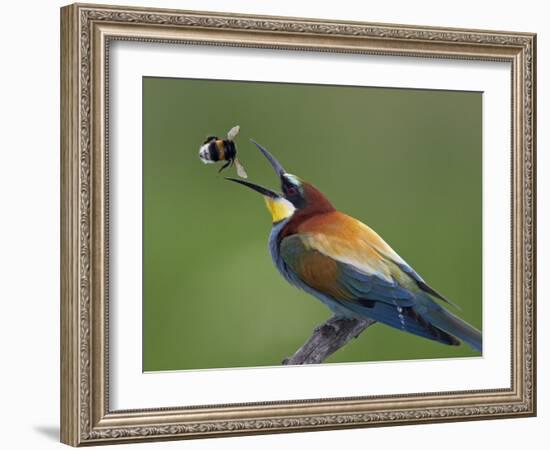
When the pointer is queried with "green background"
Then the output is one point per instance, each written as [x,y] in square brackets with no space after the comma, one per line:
[406,162]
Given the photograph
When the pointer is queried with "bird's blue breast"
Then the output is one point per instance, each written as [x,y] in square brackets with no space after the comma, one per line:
[274,250]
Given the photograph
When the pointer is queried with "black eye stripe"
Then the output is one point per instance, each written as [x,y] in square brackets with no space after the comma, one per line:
[290,188]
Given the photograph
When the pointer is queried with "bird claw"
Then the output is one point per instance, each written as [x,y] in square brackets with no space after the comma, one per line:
[327,328]
[318,328]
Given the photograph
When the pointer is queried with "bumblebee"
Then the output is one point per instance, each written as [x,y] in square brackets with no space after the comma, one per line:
[214,149]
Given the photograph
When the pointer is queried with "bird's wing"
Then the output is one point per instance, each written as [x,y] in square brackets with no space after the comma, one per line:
[342,280]
[361,290]
[350,241]
[341,258]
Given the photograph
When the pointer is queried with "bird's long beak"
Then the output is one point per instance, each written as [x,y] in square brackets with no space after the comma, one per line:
[276,164]
[262,190]
[277,205]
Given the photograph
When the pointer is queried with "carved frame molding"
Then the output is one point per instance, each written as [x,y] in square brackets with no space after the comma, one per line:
[86,31]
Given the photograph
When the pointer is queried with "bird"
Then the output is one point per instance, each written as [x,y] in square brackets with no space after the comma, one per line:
[347,266]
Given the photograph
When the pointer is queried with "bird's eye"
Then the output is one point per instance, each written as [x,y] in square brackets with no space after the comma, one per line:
[291,190]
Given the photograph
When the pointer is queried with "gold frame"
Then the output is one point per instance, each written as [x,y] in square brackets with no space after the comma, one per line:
[86,31]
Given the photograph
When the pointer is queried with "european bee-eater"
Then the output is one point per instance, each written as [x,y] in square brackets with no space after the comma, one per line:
[349,267]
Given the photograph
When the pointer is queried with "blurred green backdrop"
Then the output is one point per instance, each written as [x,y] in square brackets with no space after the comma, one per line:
[406,162]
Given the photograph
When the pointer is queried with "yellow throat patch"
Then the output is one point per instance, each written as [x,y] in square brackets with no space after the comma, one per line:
[279,208]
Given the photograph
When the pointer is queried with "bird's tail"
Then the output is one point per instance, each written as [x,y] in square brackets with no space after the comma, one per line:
[448,322]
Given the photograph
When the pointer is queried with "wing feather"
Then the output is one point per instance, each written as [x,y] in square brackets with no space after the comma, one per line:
[352,242]
[359,292]
[340,279]
[340,260]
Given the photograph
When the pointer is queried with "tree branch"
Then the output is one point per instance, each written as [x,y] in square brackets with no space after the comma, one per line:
[327,338]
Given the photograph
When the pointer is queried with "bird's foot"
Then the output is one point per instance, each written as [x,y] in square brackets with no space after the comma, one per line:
[331,326]
[326,328]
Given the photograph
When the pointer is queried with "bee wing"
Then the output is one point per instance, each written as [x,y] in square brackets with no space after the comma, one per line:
[240,169]
[233,132]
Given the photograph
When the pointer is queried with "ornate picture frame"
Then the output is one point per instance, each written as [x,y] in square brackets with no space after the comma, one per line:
[87,31]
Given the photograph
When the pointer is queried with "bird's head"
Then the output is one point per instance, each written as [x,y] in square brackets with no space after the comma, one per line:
[298,197]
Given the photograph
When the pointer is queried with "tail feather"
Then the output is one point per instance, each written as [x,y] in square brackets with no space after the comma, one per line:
[405,319]
[428,319]
[455,326]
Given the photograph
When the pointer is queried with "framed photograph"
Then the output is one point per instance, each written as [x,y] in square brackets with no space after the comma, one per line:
[276,224]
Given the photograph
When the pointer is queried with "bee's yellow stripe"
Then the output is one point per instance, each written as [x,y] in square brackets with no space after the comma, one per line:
[221,150]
